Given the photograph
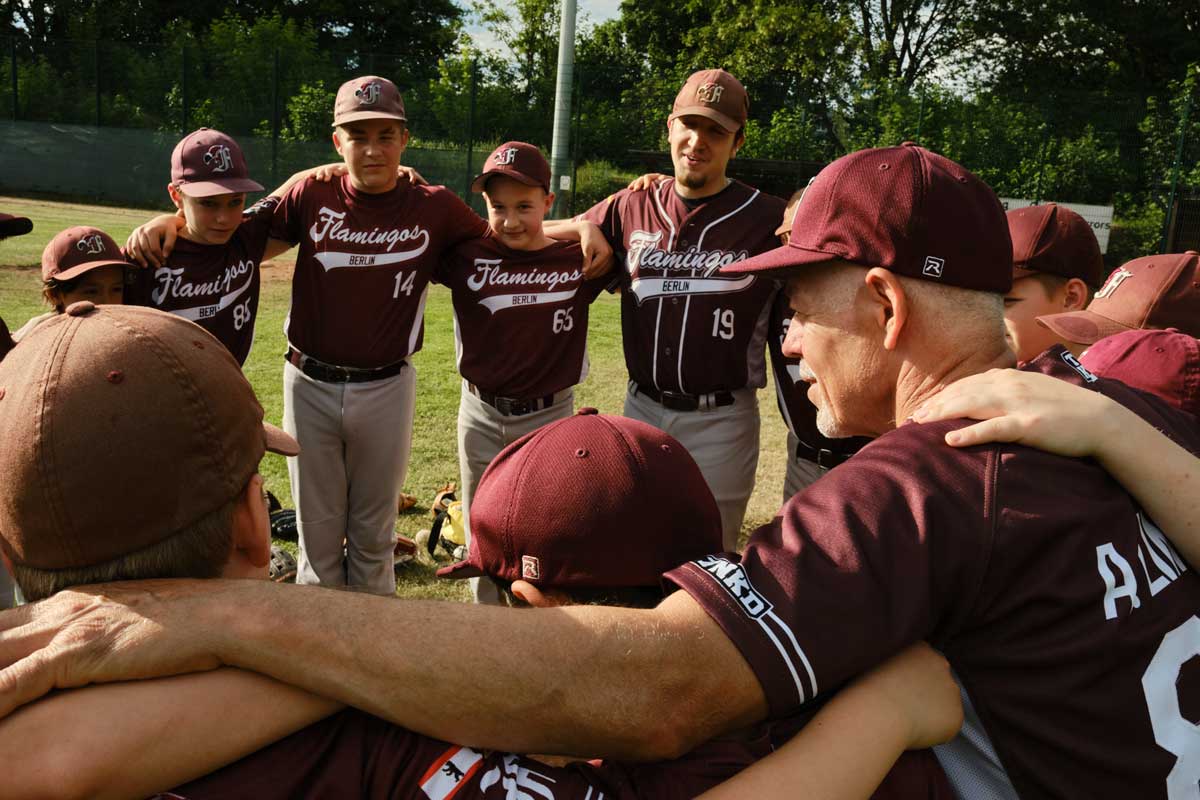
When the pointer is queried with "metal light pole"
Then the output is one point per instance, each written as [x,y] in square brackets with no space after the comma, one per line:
[560,153]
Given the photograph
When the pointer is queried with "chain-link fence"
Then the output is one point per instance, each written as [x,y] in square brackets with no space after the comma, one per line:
[99,119]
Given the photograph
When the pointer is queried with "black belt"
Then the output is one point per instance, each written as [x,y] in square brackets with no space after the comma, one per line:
[820,456]
[512,406]
[678,401]
[332,373]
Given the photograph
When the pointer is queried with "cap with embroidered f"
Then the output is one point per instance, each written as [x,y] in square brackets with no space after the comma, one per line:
[715,94]
[368,97]
[521,161]
[906,209]
[590,502]
[78,250]
[1160,291]
[207,162]
[119,426]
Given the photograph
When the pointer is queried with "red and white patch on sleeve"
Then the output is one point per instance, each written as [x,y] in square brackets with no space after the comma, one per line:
[449,772]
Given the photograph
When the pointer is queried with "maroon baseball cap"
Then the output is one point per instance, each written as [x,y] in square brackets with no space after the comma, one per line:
[1165,363]
[207,162]
[1161,291]
[903,208]
[76,250]
[119,426]
[520,161]
[368,97]
[14,226]
[1054,240]
[590,501]
[715,94]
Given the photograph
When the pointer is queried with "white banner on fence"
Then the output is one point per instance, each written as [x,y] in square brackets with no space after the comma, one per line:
[1099,217]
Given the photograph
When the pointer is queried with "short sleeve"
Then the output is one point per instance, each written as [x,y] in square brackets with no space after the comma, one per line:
[881,552]
[605,215]
[287,222]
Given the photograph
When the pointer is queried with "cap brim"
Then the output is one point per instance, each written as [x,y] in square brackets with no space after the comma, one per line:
[782,260]
[14,226]
[481,180]
[1084,327]
[210,188]
[358,116]
[463,569]
[728,123]
[279,441]
[79,269]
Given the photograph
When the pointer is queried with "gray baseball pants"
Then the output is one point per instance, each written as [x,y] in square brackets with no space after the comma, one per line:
[355,440]
[801,473]
[482,433]
[724,443]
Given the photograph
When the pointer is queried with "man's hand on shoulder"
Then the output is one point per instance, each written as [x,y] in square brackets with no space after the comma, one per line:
[110,632]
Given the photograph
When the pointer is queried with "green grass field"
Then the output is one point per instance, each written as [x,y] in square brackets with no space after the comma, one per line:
[434,455]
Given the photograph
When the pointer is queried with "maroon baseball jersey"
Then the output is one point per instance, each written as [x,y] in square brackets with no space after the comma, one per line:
[214,285]
[358,295]
[1069,619]
[686,328]
[520,316]
[353,754]
[791,394]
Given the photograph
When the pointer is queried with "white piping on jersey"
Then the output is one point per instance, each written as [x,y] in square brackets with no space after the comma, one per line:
[458,345]
[812,678]
[718,569]
[417,321]
[688,303]
[588,796]
[658,319]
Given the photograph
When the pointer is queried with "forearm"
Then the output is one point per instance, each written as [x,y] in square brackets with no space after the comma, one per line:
[563,229]
[843,753]
[581,680]
[133,739]
[1161,475]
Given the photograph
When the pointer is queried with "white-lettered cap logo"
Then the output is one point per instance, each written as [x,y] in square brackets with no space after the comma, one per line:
[531,568]
[218,159]
[368,93]
[710,92]
[933,266]
[505,157]
[1119,276]
[91,245]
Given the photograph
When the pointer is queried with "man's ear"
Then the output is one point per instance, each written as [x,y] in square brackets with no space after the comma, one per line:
[252,524]
[526,591]
[337,143]
[1075,295]
[889,304]
[176,196]
[549,201]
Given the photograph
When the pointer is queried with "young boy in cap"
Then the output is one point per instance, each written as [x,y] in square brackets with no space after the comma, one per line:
[520,318]
[1056,267]
[1160,291]
[210,274]
[79,263]
[626,502]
